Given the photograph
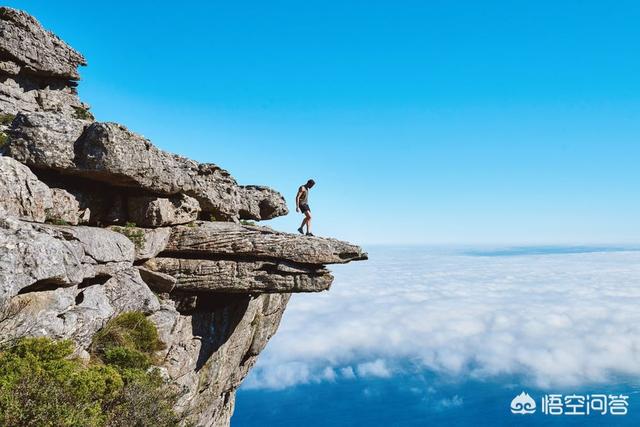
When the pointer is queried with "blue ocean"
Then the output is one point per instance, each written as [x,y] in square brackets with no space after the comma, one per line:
[454,335]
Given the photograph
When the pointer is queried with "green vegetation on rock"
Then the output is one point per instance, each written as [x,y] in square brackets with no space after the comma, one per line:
[134,234]
[127,341]
[6,119]
[41,384]
[51,219]
[83,114]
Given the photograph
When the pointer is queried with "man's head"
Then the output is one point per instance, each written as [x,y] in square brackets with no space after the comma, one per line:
[310,183]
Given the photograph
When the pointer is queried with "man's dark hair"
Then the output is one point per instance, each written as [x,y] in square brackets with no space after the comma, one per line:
[310,183]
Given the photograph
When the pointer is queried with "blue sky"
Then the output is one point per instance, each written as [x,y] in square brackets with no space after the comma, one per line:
[422,122]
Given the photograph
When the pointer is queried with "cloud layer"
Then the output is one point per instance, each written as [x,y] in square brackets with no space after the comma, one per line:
[556,319]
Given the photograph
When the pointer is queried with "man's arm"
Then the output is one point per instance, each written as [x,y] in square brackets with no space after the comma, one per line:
[298,199]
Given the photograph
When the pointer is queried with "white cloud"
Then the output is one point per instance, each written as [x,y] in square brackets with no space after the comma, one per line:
[347,373]
[281,376]
[377,368]
[565,319]
[328,374]
[448,403]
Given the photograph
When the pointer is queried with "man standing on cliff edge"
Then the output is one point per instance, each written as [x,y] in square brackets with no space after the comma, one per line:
[302,205]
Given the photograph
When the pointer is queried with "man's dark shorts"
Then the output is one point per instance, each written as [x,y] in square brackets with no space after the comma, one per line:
[304,208]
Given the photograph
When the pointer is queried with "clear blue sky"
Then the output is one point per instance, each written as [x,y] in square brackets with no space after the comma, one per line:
[422,122]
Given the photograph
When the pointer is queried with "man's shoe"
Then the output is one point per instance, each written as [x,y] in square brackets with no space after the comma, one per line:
[300,230]
[311,235]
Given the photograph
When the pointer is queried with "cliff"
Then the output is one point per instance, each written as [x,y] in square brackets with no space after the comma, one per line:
[96,221]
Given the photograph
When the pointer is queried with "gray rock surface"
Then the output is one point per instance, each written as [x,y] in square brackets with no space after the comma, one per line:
[37,70]
[44,140]
[150,211]
[39,51]
[239,276]
[76,312]
[110,153]
[211,349]
[22,194]
[40,256]
[154,241]
[26,93]
[66,208]
[235,241]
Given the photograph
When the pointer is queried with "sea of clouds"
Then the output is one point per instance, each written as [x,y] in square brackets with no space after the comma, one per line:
[553,318]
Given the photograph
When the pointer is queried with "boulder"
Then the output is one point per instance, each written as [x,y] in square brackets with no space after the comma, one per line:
[154,241]
[256,202]
[22,194]
[66,208]
[150,211]
[44,141]
[126,159]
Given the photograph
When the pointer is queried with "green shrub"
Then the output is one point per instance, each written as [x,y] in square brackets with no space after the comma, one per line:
[43,349]
[132,331]
[126,358]
[40,385]
[145,401]
[245,222]
[6,119]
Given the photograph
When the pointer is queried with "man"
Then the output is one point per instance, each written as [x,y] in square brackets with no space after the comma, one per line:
[302,205]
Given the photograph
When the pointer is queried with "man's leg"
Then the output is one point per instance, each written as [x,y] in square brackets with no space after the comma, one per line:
[304,221]
[307,219]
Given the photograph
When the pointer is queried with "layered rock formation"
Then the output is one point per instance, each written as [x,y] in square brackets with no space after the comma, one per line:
[38,71]
[96,221]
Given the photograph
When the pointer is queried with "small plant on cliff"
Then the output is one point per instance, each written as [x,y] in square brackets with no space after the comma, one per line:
[134,234]
[127,341]
[52,219]
[4,138]
[249,223]
[6,119]
[82,113]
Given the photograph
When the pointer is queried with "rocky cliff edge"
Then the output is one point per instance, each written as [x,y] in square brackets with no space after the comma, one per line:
[96,221]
